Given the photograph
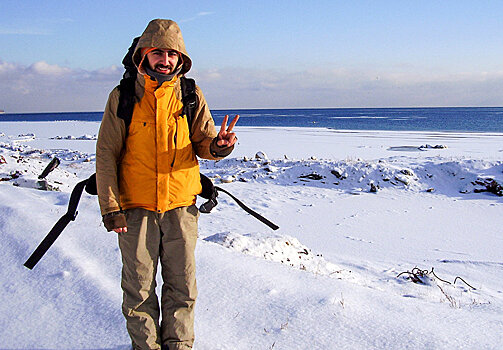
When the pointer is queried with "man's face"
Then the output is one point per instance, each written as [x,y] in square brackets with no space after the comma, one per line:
[163,61]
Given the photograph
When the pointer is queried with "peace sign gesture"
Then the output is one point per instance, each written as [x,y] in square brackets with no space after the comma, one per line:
[226,138]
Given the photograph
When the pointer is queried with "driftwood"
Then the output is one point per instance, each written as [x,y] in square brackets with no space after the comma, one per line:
[490,185]
[416,274]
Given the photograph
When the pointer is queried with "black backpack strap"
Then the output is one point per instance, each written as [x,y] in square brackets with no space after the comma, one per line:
[56,230]
[91,186]
[210,192]
[53,164]
[127,87]
[189,99]
[249,211]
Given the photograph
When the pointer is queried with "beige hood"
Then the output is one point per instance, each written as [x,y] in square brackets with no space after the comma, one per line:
[163,34]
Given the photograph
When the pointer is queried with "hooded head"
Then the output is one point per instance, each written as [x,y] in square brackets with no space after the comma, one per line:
[162,34]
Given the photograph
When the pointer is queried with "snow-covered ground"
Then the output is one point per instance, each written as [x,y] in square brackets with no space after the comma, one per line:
[362,215]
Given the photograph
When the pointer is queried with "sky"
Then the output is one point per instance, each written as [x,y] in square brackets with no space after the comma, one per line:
[63,56]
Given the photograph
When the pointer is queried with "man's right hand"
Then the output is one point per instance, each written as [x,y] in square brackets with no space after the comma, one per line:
[121,229]
[115,221]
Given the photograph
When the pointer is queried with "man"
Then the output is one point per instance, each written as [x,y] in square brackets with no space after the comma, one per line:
[148,179]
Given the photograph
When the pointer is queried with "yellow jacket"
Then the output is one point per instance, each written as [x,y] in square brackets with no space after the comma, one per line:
[155,165]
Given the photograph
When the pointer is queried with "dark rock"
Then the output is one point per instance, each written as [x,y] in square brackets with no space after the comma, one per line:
[407,172]
[434,147]
[312,176]
[11,176]
[338,175]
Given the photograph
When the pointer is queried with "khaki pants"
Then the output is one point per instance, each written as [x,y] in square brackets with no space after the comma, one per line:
[170,238]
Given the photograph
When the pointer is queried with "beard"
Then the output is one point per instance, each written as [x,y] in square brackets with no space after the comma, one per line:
[162,69]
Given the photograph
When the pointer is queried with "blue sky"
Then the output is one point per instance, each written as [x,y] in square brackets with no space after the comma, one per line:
[65,55]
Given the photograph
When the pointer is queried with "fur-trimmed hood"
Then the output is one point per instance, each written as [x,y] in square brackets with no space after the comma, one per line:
[163,34]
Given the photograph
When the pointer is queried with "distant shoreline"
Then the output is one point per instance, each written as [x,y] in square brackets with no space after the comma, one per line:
[455,119]
[285,109]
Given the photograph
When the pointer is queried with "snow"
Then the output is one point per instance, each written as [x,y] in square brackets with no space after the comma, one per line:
[359,212]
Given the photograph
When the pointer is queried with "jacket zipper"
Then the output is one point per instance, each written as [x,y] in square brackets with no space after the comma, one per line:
[175,137]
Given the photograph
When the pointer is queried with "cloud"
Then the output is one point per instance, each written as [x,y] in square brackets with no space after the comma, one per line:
[247,88]
[36,26]
[44,68]
[6,67]
[44,87]
[23,31]
[198,15]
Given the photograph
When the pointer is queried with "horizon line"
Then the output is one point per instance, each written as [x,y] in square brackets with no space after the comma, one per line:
[3,112]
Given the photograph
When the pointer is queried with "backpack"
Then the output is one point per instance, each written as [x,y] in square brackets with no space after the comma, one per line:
[125,111]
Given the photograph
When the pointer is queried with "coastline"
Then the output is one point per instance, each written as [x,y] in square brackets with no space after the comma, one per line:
[458,119]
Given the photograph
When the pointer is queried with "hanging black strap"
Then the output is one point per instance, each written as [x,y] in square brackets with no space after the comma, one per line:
[210,192]
[248,210]
[50,167]
[51,237]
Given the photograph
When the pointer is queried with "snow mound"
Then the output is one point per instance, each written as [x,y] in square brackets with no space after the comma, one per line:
[279,248]
[21,165]
[357,176]
[71,137]
[20,150]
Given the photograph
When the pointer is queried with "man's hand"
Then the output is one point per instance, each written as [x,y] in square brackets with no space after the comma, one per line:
[115,221]
[226,138]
